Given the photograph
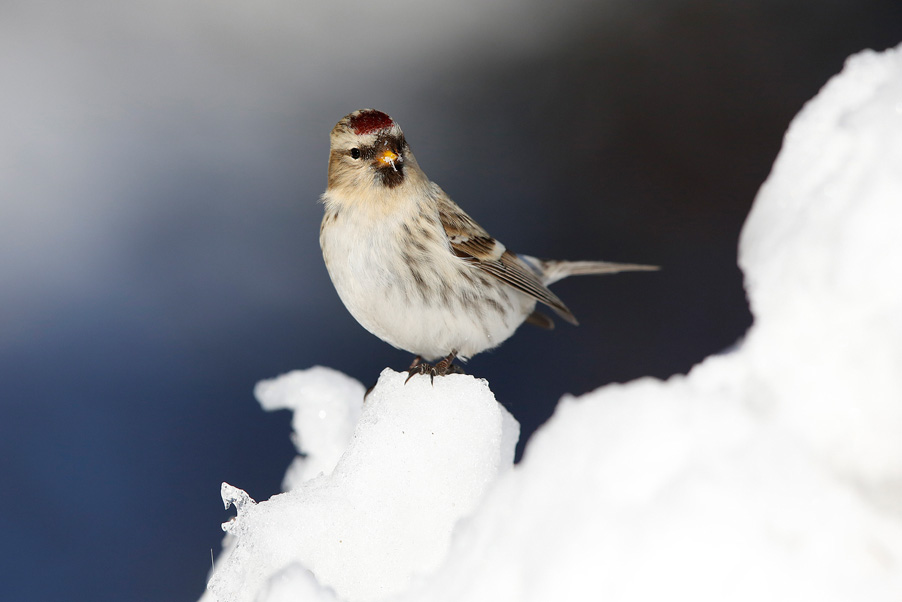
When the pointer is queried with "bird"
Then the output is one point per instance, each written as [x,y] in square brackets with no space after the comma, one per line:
[413,268]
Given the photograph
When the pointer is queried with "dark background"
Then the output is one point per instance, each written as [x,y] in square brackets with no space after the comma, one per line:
[160,165]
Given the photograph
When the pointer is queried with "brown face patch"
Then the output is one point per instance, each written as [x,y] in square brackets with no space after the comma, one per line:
[369,121]
[390,176]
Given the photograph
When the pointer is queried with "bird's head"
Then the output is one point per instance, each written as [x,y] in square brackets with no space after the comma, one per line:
[368,153]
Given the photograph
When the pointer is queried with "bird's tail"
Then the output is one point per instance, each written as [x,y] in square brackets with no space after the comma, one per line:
[550,271]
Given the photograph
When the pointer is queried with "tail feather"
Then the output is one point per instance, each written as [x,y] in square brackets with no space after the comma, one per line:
[550,271]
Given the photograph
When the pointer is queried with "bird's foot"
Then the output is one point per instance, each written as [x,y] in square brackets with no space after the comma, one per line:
[440,368]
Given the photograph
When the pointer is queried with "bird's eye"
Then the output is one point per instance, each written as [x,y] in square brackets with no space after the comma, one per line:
[355,153]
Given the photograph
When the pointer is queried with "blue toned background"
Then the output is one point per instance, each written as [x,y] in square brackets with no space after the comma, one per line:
[160,165]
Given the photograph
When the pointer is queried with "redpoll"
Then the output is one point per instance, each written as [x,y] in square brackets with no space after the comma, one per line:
[412,267]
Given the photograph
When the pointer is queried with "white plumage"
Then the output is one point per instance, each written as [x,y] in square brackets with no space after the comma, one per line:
[411,266]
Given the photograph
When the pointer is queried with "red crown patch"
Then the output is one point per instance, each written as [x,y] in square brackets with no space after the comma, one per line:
[370,120]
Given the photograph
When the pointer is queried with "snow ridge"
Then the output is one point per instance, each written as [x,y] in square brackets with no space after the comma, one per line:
[771,472]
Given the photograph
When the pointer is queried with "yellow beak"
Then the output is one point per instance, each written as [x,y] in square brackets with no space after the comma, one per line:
[389,157]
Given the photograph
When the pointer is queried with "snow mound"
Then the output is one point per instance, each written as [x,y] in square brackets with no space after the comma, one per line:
[822,255]
[326,405]
[671,490]
[420,458]
[772,472]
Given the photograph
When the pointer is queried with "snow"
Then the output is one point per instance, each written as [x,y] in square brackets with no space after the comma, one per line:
[326,406]
[420,459]
[771,472]
[822,259]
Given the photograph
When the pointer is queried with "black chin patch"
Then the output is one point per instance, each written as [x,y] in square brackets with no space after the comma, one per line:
[391,177]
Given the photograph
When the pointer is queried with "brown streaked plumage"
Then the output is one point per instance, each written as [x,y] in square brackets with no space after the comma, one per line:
[412,267]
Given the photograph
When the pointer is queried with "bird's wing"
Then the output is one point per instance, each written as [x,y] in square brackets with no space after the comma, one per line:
[472,243]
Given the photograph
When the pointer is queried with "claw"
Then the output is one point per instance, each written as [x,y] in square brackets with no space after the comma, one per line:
[441,368]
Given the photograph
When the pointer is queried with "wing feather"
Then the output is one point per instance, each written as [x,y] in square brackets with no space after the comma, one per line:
[472,243]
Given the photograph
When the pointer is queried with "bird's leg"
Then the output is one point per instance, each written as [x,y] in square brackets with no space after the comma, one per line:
[441,368]
[445,366]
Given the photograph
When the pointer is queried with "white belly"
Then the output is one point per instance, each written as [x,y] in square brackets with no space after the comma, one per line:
[416,300]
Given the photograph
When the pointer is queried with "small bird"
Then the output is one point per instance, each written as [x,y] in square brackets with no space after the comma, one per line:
[412,267]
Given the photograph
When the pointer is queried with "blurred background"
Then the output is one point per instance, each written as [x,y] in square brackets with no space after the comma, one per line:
[160,167]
